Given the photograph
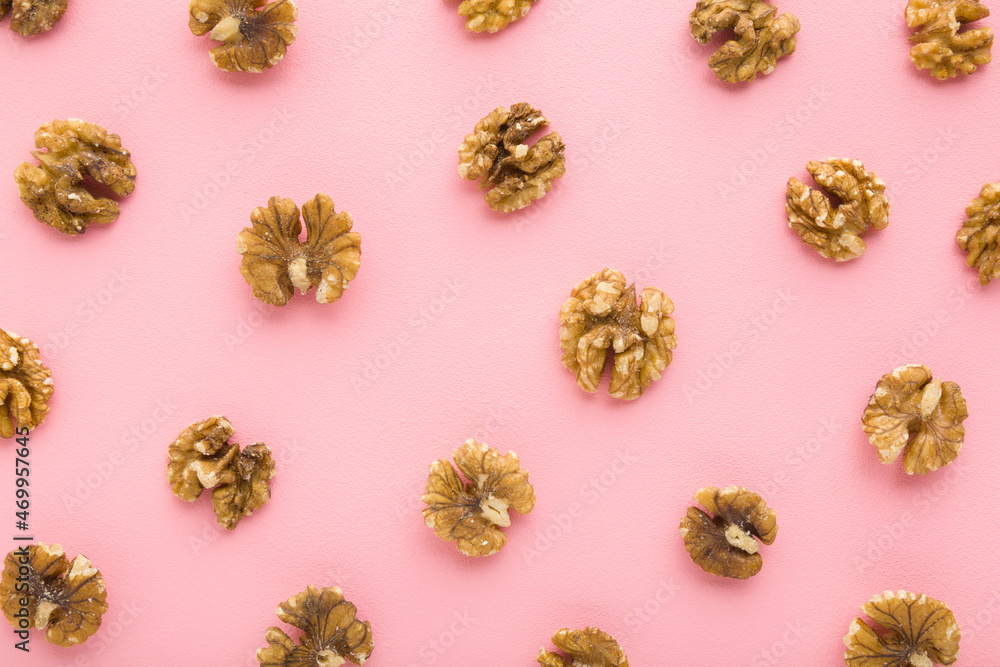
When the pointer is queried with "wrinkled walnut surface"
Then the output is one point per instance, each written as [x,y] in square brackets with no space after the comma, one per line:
[922,417]
[4,8]
[493,15]
[55,190]
[203,458]
[919,632]
[496,155]
[589,647]
[254,38]
[275,262]
[65,598]
[978,235]
[761,36]
[836,233]
[938,44]
[721,539]
[602,313]
[473,512]
[33,17]
[331,633]
[25,385]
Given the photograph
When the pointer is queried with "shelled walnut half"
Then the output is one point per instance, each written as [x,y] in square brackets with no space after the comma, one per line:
[56,189]
[721,540]
[64,598]
[496,155]
[254,38]
[25,385]
[275,262]
[835,232]
[978,235]
[203,458]
[472,512]
[602,313]
[331,633]
[762,36]
[589,647]
[913,413]
[33,17]
[942,44]
[919,631]
[493,15]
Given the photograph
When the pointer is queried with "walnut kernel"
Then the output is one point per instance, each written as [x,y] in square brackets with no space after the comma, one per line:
[496,155]
[911,411]
[919,631]
[473,512]
[722,540]
[589,647]
[33,17]
[4,8]
[55,189]
[254,38]
[601,313]
[493,15]
[332,635]
[64,598]
[836,233]
[25,385]
[939,46]
[275,262]
[761,36]
[203,458]
[978,235]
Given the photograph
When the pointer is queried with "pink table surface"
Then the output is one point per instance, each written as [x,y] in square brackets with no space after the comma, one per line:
[451,331]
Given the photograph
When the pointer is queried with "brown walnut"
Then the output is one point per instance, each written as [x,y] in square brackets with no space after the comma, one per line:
[55,189]
[254,38]
[25,385]
[472,512]
[589,647]
[4,8]
[64,598]
[493,15]
[33,17]
[978,235]
[496,155]
[919,631]
[913,413]
[938,44]
[275,262]
[721,540]
[836,233]
[761,36]
[203,458]
[602,313]
[332,635]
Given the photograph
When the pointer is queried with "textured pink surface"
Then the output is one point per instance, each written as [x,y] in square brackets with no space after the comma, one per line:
[450,331]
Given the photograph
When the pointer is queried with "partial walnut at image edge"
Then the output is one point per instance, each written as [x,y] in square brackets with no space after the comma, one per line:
[493,15]
[25,385]
[722,538]
[602,313]
[331,633]
[978,236]
[590,647]
[33,17]
[762,36]
[253,38]
[939,47]
[916,631]
[65,599]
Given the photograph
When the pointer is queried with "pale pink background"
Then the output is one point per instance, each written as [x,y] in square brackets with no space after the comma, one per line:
[450,331]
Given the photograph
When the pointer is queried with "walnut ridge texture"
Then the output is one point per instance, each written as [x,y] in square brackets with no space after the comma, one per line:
[33,17]
[25,385]
[762,36]
[721,539]
[493,15]
[919,631]
[331,633]
[835,232]
[64,598]
[254,38]
[913,413]
[602,313]
[939,46]
[590,647]
[55,190]
[496,155]
[275,261]
[472,512]
[978,235]
[203,458]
